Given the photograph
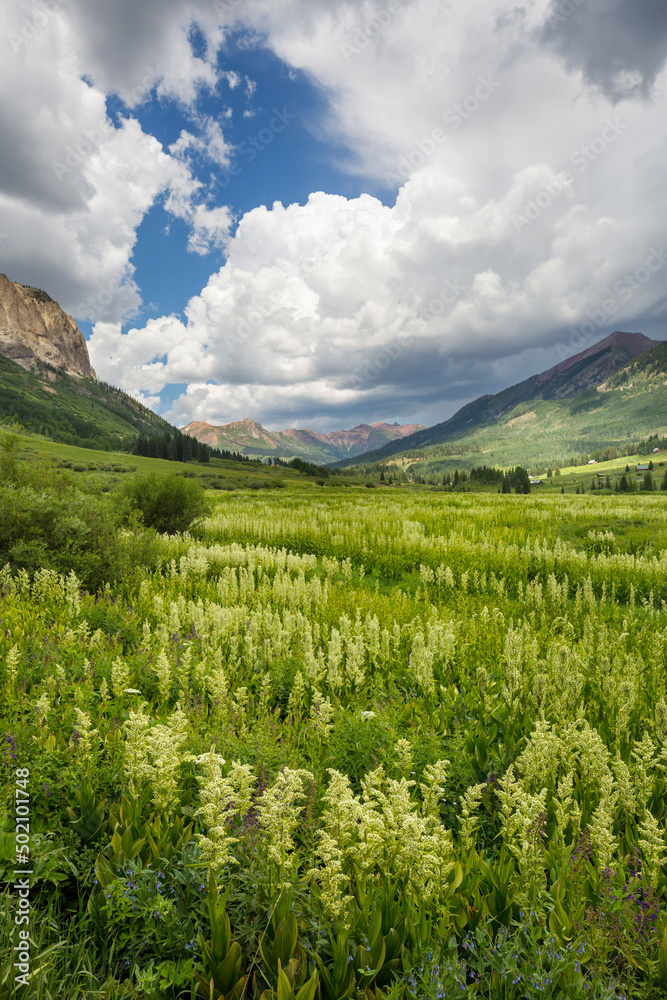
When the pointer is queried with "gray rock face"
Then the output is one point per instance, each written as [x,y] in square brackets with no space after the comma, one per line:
[34,328]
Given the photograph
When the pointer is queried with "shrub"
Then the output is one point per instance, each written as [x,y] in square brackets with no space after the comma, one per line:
[170,504]
[62,528]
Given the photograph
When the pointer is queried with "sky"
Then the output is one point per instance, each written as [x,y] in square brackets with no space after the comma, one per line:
[322,213]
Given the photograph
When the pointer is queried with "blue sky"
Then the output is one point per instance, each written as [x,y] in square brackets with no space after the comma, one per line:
[313,212]
[286,168]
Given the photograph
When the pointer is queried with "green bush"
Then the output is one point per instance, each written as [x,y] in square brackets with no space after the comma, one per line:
[62,528]
[170,504]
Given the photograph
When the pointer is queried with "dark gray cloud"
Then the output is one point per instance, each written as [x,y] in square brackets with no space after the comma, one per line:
[620,45]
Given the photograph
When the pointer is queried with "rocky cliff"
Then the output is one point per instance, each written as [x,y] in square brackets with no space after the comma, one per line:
[34,328]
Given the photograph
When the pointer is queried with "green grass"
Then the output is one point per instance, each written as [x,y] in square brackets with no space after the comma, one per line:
[105,470]
[495,657]
[72,410]
[630,407]
[547,433]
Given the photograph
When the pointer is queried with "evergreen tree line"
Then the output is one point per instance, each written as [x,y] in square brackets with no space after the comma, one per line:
[175,446]
[627,484]
[309,468]
[654,441]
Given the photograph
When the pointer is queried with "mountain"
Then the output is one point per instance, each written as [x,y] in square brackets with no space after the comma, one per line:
[34,328]
[48,385]
[73,409]
[647,372]
[251,439]
[566,380]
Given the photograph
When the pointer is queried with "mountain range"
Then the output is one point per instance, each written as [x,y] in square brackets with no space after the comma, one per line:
[611,395]
[251,439]
[568,380]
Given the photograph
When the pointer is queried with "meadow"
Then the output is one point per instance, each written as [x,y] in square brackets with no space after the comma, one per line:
[344,743]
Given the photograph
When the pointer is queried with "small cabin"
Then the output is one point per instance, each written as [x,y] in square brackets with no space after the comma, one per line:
[642,468]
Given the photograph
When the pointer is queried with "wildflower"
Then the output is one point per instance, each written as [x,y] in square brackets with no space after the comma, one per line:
[154,756]
[11,670]
[321,713]
[120,677]
[222,799]
[652,843]
[404,756]
[469,804]
[279,811]
[163,672]
[42,709]
[601,826]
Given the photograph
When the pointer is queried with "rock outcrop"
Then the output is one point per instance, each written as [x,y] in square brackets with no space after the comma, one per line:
[34,328]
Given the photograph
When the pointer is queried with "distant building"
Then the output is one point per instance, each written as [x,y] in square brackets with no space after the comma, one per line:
[642,468]
[592,461]
[656,451]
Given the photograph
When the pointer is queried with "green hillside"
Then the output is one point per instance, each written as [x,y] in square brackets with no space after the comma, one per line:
[101,471]
[648,370]
[604,420]
[77,411]
[630,407]
[568,379]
